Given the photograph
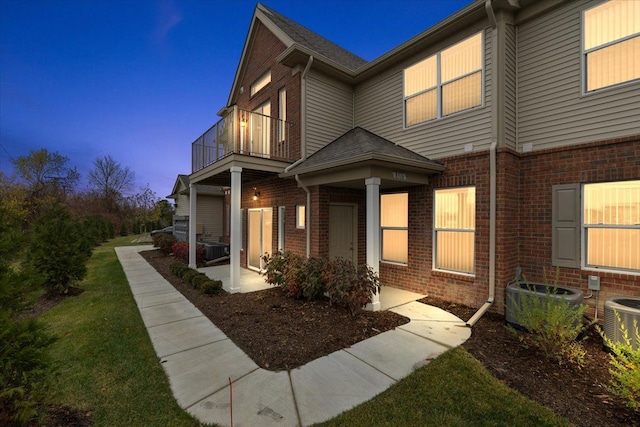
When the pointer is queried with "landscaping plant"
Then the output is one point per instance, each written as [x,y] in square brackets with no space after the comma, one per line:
[57,251]
[181,252]
[553,326]
[165,243]
[625,365]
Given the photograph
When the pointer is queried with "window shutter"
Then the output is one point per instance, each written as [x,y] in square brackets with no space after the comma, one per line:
[565,234]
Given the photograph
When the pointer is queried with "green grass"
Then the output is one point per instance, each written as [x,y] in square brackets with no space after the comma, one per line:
[107,366]
[104,358]
[453,390]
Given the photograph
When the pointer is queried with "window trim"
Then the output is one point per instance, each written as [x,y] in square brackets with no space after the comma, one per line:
[584,241]
[439,84]
[434,257]
[584,52]
[396,228]
[282,114]
[260,83]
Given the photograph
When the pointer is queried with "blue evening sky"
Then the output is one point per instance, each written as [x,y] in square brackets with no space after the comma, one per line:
[142,79]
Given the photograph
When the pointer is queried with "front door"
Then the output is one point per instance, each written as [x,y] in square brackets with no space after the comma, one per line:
[342,232]
[260,229]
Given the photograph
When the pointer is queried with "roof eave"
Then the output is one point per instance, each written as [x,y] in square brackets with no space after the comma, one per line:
[299,54]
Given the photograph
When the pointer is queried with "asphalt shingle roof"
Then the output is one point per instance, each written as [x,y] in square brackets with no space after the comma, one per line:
[359,143]
[315,42]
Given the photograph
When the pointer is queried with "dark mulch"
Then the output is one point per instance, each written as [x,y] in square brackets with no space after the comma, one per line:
[276,332]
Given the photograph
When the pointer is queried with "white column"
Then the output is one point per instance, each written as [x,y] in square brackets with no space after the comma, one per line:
[236,228]
[193,198]
[373,233]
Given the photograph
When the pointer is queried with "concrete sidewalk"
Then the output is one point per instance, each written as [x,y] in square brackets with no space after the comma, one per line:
[200,360]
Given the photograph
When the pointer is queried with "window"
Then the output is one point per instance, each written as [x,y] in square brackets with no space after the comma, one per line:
[611,44]
[262,81]
[445,83]
[282,114]
[454,229]
[300,216]
[611,225]
[394,226]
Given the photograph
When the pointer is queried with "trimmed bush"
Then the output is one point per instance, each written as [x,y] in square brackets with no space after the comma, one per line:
[189,274]
[198,280]
[164,242]
[178,268]
[350,286]
[181,252]
[211,287]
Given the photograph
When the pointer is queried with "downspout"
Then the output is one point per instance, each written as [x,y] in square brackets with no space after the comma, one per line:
[492,190]
[303,151]
[303,117]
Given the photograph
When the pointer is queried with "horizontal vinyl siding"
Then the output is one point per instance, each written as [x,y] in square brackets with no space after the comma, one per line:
[329,111]
[183,205]
[552,111]
[209,214]
[510,87]
[379,109]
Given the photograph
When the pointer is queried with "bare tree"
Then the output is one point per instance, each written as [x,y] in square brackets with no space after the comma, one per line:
[45,171]
[109,178]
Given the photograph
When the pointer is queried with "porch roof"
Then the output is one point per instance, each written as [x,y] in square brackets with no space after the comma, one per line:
[366,153]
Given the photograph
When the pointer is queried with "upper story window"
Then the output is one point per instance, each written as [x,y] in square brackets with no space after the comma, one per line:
[445,83]
[611,44]
[261,82]
[282,114]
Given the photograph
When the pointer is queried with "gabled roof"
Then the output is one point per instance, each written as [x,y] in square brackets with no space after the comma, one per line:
[182,183]
[307,38]
[360,145]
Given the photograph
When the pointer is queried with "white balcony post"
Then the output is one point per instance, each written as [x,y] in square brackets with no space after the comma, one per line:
[236,228]
[373,234]
[193,197]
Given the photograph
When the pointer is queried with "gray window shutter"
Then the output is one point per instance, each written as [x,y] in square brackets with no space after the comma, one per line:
[565,234]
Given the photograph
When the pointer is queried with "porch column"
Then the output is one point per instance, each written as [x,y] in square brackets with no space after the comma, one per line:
[373,233]
[193,197]
[236,228]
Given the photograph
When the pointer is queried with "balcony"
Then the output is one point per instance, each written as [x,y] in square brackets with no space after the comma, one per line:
[242,132]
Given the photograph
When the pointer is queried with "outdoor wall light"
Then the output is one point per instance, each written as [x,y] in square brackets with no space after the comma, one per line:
[256,194]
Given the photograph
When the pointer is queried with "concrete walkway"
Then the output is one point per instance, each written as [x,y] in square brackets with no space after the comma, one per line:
[200,360]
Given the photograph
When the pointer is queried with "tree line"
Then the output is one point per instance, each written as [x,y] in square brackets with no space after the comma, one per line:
[48,229]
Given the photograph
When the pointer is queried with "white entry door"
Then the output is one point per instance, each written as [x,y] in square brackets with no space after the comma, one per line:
[260,230]
[261,130]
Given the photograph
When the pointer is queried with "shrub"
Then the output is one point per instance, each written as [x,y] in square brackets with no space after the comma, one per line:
[282,269]
[198,279]
[164,242]
[350,286]
[625,366]
[210,287]
[311,278]
[553,325]
[181,251]
[57,250]
[178,268]
[188,274]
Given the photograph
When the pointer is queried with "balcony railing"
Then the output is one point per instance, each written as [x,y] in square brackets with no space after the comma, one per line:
[242,132]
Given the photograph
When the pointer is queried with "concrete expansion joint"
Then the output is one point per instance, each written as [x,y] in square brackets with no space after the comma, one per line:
[395,380]
[293,395]
[443,344]
[190,348]
[226,386]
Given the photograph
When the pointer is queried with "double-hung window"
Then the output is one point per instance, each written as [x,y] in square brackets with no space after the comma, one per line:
[454,229]
[611,225]
[445,83]
[611,44]
[394,226]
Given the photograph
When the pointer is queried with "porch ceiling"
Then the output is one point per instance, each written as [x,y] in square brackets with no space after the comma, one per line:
[253,169]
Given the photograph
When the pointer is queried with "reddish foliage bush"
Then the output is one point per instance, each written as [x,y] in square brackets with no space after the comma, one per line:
[181,251]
